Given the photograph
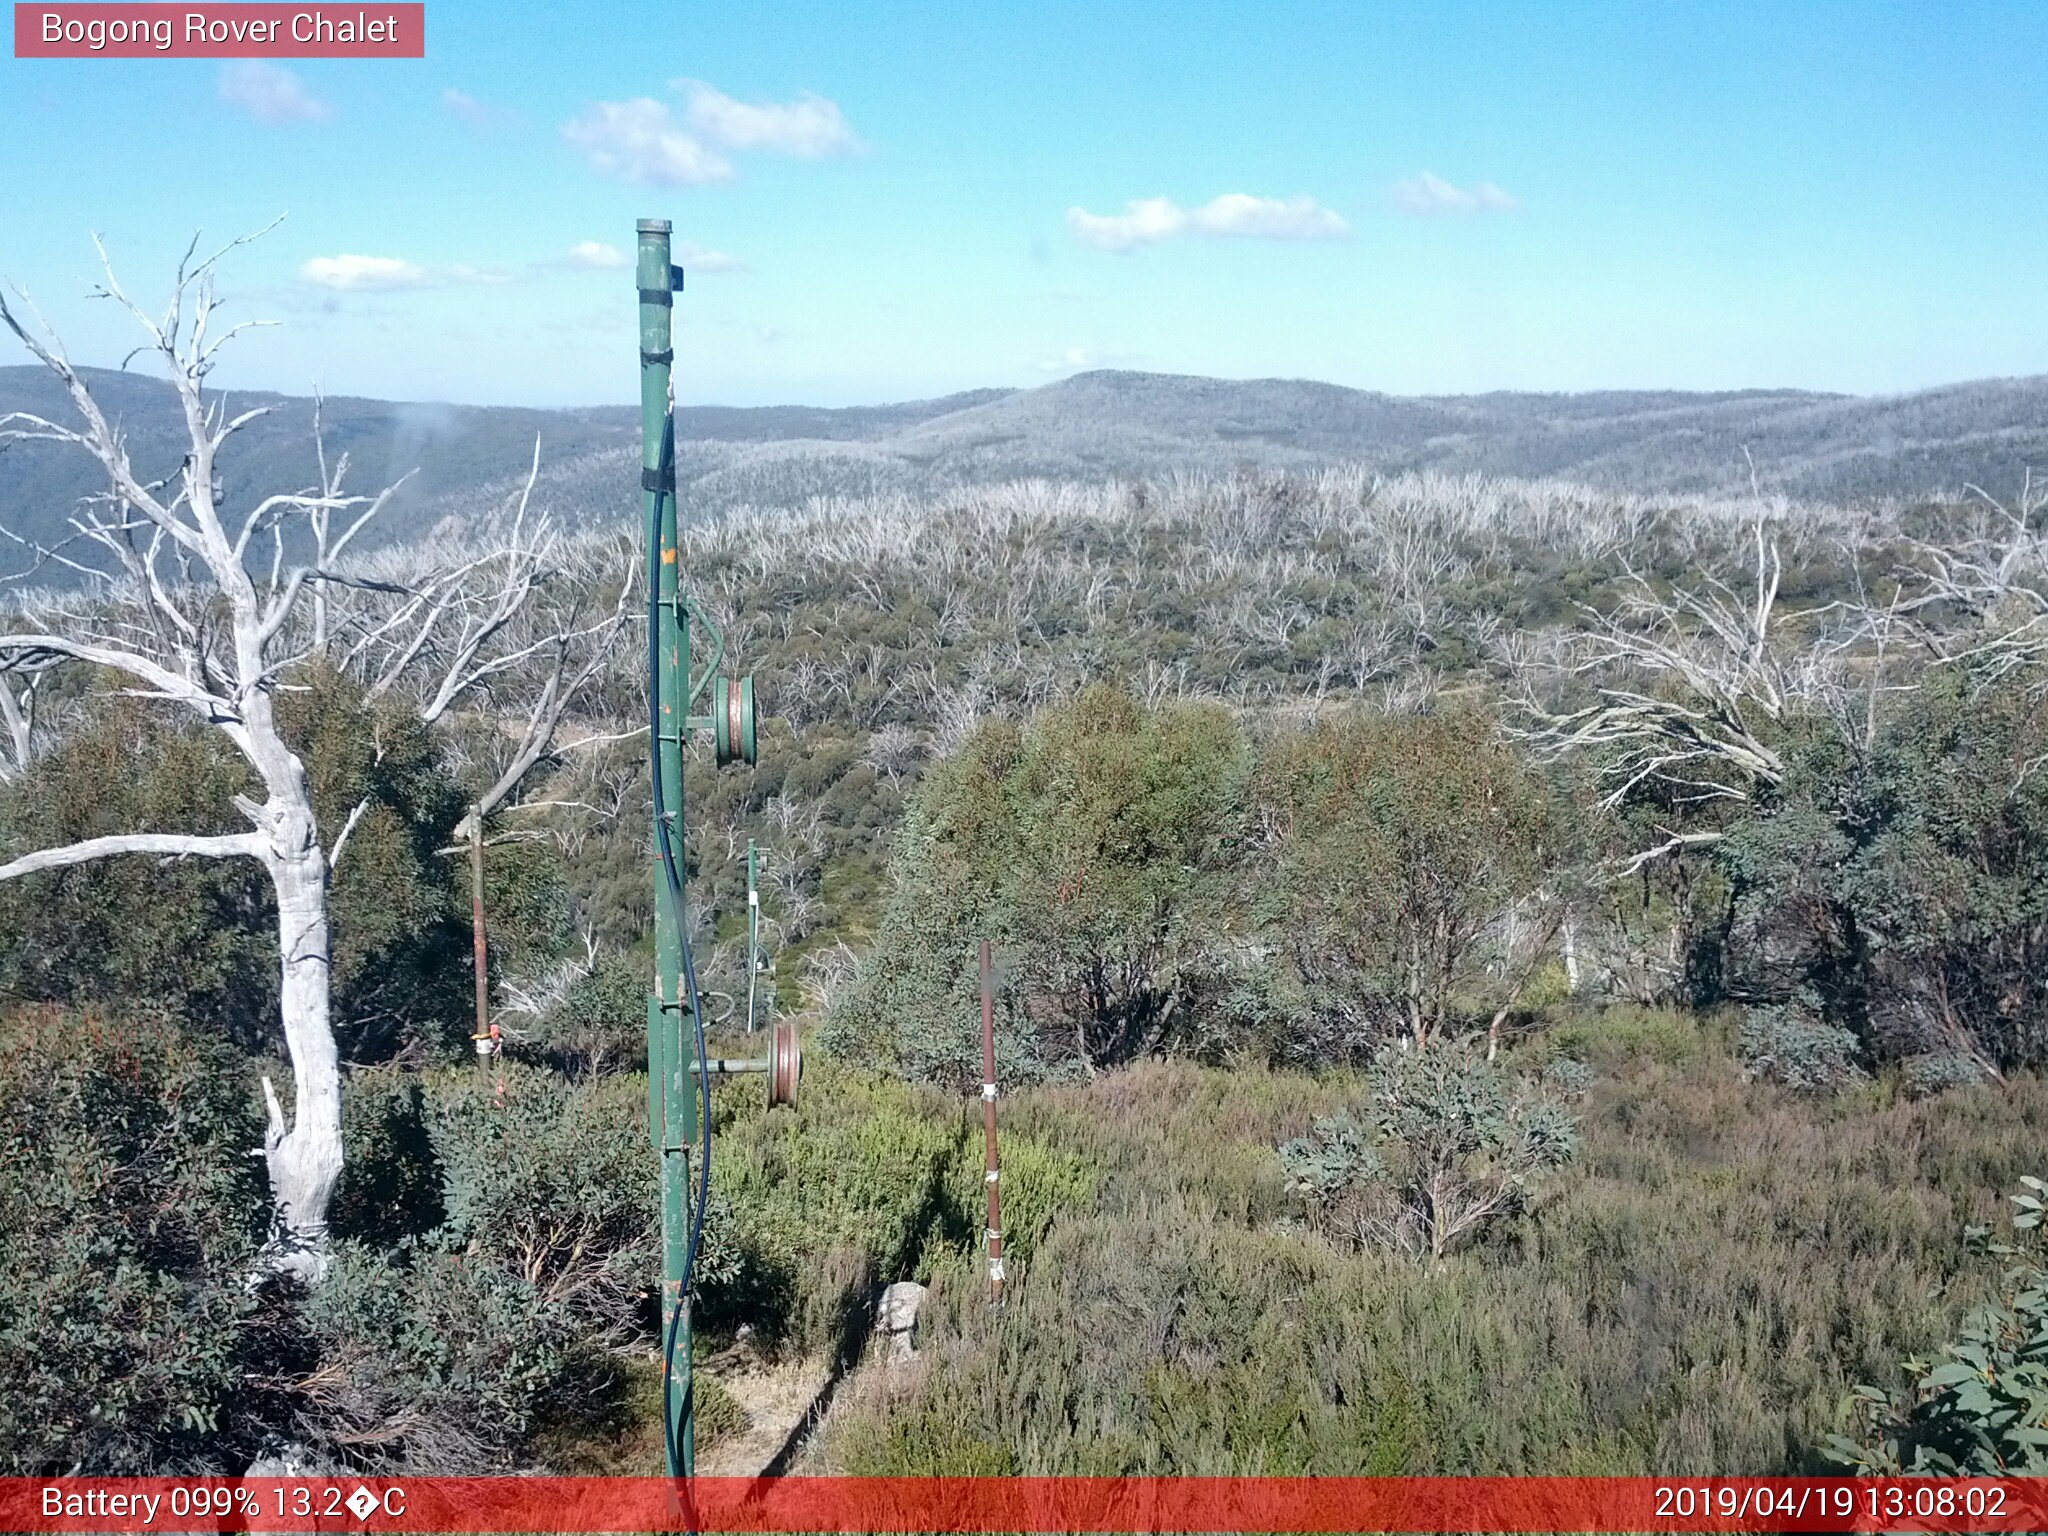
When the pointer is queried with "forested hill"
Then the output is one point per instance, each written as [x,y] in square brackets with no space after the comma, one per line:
[1090,426]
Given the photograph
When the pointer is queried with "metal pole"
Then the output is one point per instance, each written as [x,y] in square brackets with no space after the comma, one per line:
[671,1039]
[993,1177]
[479,945]
[753,935]
[488,1043]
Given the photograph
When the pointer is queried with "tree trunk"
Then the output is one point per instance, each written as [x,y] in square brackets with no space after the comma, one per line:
[305,1158]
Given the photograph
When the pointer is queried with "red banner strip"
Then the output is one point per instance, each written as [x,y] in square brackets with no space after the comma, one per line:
[216,31]
[1175,1504]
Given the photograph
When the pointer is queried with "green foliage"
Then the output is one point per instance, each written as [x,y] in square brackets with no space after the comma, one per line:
[432,1359]
[1039,1184]
[555,1184]
[526,902]
[199,935]
[1924,1076]
[718,1415]
[400,939]
[1092,846]
[1905,889]
[1674,1037]
[600,1025]
[927,1443]
[1105,847]
[1695,1294]
[451,1346]
[390,1185]
[830,1202]
[1983,1410]
[1450,1145]
[193,935]
[129,1212]
[1399,845]
[1790,1047]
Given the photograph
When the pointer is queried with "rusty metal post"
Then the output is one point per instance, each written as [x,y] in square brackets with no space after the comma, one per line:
[992,1178]
[480,943]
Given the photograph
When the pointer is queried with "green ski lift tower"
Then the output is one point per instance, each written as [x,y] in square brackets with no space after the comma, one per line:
[679,1069]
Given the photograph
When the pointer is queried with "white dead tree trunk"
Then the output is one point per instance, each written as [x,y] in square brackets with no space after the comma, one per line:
[208,615]
[525,621]
[1687,688]
[177,615]
[1996,581]
[19,680]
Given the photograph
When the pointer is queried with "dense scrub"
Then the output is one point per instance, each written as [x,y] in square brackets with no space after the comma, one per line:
[1255,782]
[1698,1292]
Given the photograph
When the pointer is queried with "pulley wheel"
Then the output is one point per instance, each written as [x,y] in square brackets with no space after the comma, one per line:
[732,720]
[785,1065]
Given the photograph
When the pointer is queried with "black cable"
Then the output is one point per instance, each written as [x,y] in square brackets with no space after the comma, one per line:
[675,887]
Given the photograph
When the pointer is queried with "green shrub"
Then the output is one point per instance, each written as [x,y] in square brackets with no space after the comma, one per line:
[1093,847]
[1449,1145]
[1697,1291]
[1627,1034]
[718,1414]
[601,1023]
[1903,886]
[1039,1183]
[193,936]
[447,1350]
[1790,1047]
[1398,846]
[390,1185]
[923,1444]
[199,936]
[437,1361]
[129,1217]
[1925,1076]
[556,1184]
[830,1202]
[1983,1411]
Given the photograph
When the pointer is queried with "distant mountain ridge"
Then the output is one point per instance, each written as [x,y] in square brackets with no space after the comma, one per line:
[1089,426]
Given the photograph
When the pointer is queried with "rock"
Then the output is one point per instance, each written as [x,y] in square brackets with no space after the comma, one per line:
[897,1316]
[289,1458]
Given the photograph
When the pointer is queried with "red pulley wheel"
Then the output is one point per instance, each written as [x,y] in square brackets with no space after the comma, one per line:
[785,1065]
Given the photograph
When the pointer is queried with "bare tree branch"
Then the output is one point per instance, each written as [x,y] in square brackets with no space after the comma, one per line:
[170,844]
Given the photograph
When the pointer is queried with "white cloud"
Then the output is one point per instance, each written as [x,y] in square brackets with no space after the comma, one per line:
[1149,220]
[1073,357]
[1269,218]
[465,274]
[639,141]
[385,274]
[349,274]
[810,127]
[1429,193]
[270,93]
[597,256]
[478,114]
[695,258]
[1145,221]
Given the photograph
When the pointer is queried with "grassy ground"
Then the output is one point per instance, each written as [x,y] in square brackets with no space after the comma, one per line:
[1697,1293]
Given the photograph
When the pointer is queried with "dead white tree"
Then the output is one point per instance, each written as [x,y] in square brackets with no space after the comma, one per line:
[1997,579]
[20,679]
[524,619]
[1687,685]
[210,613]
[177,615]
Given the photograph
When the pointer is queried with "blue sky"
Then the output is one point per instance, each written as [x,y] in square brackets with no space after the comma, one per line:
[909,199]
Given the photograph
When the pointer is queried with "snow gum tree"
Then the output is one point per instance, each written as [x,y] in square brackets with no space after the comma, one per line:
[208,612]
